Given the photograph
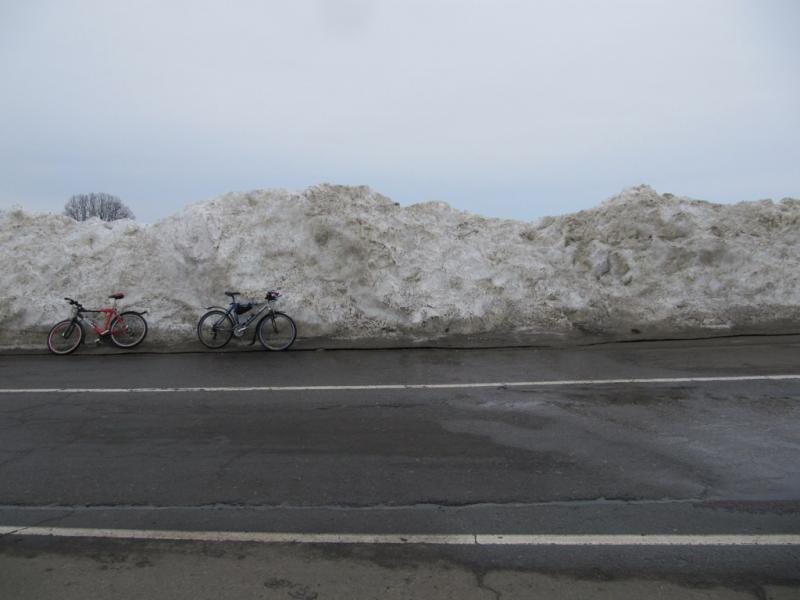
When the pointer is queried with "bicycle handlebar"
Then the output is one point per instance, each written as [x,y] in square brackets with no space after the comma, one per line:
[75,303]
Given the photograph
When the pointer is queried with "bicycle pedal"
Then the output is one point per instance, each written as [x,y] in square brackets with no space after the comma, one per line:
[98,341]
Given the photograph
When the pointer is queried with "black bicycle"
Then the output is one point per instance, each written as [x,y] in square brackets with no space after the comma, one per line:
[275,330]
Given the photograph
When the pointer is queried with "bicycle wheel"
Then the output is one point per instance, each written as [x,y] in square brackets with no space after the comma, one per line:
[64,337]
[276,331]
[128,329]
[215,329]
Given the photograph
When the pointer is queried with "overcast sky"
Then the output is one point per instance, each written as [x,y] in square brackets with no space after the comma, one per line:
[505,108]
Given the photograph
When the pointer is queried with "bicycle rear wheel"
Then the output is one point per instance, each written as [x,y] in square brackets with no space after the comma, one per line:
[64,337]
[215,329]
[276,331]
[128,329]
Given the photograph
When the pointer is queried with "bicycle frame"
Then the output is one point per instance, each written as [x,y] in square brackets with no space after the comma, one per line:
[231,312]
[110,314]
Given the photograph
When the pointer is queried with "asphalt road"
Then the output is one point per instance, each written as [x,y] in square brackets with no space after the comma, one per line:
[601,450]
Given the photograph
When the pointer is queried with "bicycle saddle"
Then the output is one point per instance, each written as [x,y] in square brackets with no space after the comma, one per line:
[232,294]
[117,296]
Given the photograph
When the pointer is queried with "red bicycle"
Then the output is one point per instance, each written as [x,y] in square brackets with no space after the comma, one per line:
[125,329]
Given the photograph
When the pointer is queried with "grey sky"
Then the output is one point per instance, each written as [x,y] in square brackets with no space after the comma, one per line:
[513,109]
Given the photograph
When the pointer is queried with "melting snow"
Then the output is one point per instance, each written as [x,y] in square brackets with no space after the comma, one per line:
[353,264]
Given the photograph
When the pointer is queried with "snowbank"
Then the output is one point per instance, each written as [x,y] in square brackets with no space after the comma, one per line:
[355,265]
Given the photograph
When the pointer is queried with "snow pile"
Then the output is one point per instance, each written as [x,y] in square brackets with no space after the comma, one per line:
[353,264]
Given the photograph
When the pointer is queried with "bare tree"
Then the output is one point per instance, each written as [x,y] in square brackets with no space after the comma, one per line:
[109,208]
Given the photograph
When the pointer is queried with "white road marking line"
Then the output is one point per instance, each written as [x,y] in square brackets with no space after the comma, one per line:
[460,539]
[399,386]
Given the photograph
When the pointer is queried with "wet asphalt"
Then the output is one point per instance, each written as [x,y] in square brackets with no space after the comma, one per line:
[714,457]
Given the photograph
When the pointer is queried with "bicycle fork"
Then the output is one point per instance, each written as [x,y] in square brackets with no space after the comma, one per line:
[269,315]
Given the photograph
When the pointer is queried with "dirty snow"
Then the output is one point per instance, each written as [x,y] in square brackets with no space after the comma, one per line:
[355,265]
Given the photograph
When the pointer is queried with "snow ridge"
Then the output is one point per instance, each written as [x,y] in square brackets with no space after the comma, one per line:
[355,265]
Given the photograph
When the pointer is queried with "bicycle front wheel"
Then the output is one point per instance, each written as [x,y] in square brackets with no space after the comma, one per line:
[128,329]
[276,331]
[65,337]
[215,329]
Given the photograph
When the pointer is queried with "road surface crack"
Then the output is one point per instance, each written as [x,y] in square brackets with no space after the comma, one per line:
[422,505]
[480,577]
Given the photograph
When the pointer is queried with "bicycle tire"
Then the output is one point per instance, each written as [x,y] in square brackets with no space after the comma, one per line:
[70,328]
[217,336]
[132,333]
[269,336]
